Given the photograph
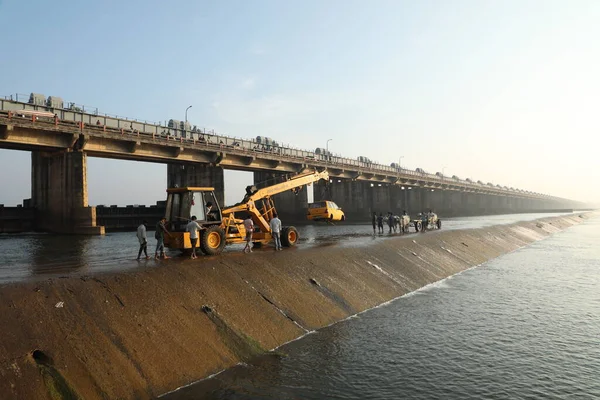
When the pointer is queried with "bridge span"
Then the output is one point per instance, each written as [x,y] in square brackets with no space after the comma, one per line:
[61,139]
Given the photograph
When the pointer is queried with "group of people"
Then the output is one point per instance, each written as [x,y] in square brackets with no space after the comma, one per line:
[159,235]
[275,225]
[194,228]
[394,222]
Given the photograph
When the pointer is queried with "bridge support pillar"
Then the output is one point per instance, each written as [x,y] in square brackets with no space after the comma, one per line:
[379,197]
[397,199]
[355,198]
[291,206]
[414,203]
[437,201]
[197,175]
[59,193]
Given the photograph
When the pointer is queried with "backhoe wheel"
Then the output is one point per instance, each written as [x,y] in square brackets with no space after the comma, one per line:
[256,245]
[212,240]
[417,226]
[289,236]
[439,224]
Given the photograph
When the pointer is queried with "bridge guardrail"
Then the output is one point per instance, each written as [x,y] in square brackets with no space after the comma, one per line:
[214,141]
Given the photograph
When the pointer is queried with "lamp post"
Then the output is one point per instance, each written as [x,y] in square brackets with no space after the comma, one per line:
[400,162]
[185,123]
[186,110]
[327,157]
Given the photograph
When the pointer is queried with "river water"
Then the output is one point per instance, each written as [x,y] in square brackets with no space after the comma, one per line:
[523,326]
[41,256]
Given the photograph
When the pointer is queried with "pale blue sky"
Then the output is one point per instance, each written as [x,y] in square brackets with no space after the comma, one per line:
[502,91]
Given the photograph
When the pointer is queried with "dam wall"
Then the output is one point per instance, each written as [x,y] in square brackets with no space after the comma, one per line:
[16,219]
[140,334]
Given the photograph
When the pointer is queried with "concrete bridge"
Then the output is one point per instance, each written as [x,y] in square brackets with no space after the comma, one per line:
[60,140]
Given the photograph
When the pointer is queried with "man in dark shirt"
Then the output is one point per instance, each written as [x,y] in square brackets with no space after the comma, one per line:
[159,234]
[380,222]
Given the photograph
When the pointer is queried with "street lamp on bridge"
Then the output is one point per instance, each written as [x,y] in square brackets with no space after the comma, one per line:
[327,146]
[400,162]
[186,110]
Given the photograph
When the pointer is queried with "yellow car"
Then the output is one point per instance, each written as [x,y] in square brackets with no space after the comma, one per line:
[325,211]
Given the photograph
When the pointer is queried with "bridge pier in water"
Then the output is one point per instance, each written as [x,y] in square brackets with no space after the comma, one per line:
[59,193]
[197,175]
[359,199]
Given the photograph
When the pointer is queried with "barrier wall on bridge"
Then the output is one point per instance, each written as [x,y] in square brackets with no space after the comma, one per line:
[16,219]
[128,218]
[96,123]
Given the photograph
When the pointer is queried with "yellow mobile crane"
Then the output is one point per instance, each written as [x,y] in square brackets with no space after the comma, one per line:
[224,226]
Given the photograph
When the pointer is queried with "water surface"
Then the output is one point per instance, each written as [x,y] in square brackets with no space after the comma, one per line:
[523,326]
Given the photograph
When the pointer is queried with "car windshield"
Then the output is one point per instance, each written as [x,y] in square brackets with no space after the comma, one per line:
[320,204]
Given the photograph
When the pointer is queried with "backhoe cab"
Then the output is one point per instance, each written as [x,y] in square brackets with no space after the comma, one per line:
[182,205]
[226,226]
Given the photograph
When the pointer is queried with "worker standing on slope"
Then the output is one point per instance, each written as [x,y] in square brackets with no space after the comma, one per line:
[390,221]
[374,221]
[275,225]
[141,235]
[249,226]
[193,227]
[424,222]
[159,235]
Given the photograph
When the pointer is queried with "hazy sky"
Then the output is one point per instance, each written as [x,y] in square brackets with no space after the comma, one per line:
[501,91]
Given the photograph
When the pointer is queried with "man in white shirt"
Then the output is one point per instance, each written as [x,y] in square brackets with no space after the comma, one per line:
[141,235]
[249,226]
[275,225]
[193,227]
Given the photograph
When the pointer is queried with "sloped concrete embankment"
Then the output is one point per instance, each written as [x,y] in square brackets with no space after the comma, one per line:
[140,334]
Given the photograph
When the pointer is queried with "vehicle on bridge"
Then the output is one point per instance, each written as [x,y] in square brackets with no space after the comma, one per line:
[325,211]
[226,226]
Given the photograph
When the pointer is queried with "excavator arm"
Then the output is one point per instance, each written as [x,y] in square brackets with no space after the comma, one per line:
[293,183]
[262,217]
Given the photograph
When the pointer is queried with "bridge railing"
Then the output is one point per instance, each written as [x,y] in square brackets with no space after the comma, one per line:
[79,115]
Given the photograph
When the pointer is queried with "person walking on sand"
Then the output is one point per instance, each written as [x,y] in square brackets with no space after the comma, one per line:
[275,225]
[193,227]
[249,226]
[141,235]
[159,235]
[380,222]
[374,221]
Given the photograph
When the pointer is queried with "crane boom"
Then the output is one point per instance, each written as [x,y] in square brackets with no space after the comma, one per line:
[261,217]
[225,227]
[293,183]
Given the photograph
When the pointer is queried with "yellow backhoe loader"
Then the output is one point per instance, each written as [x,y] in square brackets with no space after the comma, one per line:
[226,226]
